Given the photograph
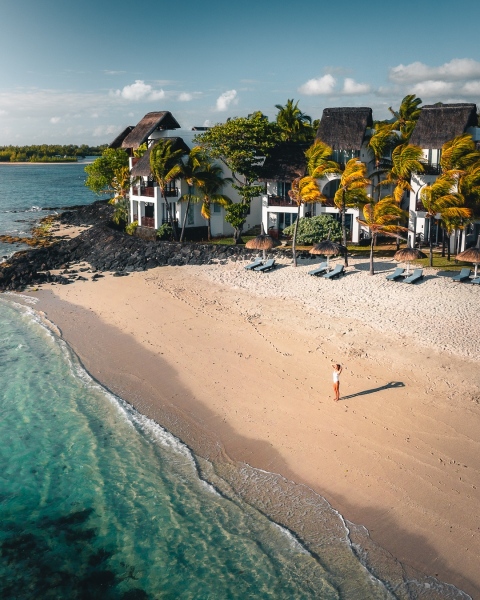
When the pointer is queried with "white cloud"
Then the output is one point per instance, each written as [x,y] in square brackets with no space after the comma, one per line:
[105,130]
[471,88]
[433,89]
[315,87]
[55,120]
[107,72]
[455,70]
[139,91]
[185,97]
[351,87]
[227,98]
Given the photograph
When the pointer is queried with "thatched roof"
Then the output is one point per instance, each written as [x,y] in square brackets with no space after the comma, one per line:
[439,124]
[117,142]
[150,122]
[142,167]
[344,128]
[285,162]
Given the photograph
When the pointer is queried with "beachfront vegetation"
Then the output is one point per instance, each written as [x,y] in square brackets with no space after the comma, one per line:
[382,217]
[105,173]
[48,153]
[315,229]
[241,144]
[191,171]
[210,184]
[165,165]
[294,125]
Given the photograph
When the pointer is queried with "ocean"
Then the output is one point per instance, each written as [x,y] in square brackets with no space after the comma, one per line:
[97,501]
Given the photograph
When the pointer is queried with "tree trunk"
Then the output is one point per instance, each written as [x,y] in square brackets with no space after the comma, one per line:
[294,240]
[443,242]
[430,236]
[185,218]
[449,241]
[344,228]
[372,243]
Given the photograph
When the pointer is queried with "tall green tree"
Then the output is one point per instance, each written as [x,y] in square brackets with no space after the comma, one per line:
[304,191]
[351,192]
[294,125]
[406,116]
[242,145]
[191,171]
[319,160]
[459,154]
[382,217]
[105,173]
[165,165]
[442,198]
[406,160]
[210,183]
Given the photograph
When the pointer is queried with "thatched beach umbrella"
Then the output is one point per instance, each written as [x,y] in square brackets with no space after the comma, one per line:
[262,242]
[328,248]
[407,255]
[470,255]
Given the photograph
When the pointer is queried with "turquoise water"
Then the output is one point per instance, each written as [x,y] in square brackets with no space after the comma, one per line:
[26,189]
[97,501]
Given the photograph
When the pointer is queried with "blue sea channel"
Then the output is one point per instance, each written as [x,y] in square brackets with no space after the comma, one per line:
[99,502]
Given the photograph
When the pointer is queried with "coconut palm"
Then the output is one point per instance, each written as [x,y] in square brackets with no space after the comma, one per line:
[351,192]
[319,161]
[459,154]
[293,123]
[407,116]
[382,217]
[304,190]
[209,184]
[406,160]
[191,172]
[165,165]
[380,145]
[442,197]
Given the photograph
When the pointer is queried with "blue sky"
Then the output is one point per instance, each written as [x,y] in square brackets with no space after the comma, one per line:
[79,72]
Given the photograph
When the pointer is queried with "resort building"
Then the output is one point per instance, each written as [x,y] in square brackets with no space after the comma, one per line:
[346,131]
[435,126]
[148,207]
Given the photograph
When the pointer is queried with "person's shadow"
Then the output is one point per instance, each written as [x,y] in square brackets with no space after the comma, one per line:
[387,386]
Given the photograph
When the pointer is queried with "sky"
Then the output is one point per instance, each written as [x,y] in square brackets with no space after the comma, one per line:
[80,72]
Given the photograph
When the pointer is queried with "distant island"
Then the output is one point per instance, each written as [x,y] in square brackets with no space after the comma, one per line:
[46,153]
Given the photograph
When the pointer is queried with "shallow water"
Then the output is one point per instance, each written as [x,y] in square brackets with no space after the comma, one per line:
[26,189]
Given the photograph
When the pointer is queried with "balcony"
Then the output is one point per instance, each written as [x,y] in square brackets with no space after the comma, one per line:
[280,201]
[419,206]
[432,169]
[148,222]
[148,192]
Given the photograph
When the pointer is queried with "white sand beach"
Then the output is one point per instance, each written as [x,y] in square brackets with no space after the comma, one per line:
[243,359]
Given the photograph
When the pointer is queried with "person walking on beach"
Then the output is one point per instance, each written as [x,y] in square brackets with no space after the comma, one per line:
[337,369]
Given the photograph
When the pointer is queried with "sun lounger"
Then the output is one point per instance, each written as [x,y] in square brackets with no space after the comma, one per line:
[476,281]
[337,271]
[399,272]
[256,263]
[270,264]
[322,267]
[415,276]
[464,275]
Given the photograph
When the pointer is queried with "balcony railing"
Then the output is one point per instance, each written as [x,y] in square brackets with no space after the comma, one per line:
[148,222]
[280,201]
[149,192]
[173,192]
[432,169]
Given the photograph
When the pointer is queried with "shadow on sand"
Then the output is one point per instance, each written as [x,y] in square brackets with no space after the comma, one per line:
[387,386]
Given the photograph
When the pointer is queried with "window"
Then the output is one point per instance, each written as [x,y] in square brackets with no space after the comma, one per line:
[190,215]
[217,208]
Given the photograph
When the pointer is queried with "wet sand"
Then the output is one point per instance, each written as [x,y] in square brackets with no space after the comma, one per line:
[238,364]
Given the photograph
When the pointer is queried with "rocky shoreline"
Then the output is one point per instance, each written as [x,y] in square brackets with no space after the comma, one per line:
[106,248]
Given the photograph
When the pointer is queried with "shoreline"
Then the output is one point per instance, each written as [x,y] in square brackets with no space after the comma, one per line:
[268,417]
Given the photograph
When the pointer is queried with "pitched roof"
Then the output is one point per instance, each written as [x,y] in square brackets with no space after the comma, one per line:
[150,122]
[344,128]
[142,167]
[285,162]
[439,124]
[117,142]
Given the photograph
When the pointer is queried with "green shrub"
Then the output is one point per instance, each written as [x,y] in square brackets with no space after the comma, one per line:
[165,232]
[131,228]
[315,229]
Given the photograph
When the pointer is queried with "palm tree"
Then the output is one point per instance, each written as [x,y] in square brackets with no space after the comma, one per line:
[351,192]
[459,154]
[442,198]
[165,165]
[406,160]
[210,183]
[382,217]
[380,144]
[304,191]
[319,161]
[407,116]
[191,171]
[293,123]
